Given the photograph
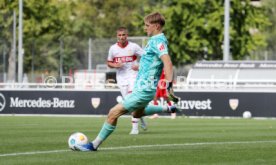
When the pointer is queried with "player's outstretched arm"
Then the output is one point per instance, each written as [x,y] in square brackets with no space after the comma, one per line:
[168,69]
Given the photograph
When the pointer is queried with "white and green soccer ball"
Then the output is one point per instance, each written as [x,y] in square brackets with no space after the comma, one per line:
[77,139]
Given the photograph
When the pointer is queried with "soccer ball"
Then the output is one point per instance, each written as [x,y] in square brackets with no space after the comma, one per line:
[246,114]
[77,138]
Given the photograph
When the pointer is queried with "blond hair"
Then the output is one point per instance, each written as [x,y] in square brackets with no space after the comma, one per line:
[155,18]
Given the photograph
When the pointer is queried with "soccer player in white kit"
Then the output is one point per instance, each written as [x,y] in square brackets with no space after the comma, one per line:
[123,57]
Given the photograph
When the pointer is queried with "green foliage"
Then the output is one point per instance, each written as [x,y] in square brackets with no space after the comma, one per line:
[195,29]
[6,20]
[247,27]
[270,6]
[48,23]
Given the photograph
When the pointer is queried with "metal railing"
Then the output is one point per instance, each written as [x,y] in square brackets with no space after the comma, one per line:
[198,84]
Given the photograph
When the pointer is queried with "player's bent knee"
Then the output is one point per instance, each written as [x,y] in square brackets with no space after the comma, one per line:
[116,112]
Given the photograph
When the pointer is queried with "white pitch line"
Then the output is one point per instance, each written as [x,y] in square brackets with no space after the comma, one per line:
[32,153]
[186,144]
[140,146]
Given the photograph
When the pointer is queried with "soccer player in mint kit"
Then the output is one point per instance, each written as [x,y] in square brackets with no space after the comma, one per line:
[152,62]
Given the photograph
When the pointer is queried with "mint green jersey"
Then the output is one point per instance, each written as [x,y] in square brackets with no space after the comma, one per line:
[150,63]
[150,69]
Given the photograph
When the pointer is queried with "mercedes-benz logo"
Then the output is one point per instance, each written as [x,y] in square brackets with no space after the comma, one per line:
[2,102]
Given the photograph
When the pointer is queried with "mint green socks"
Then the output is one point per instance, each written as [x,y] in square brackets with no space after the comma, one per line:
[106,130]
[152,109]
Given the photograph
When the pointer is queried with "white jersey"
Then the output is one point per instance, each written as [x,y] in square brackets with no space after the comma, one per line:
[128,56]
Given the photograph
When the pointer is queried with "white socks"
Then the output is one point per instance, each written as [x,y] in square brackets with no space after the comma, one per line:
[97,142]
[135,122]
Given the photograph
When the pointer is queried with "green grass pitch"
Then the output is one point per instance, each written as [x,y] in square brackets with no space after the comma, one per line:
[42,140]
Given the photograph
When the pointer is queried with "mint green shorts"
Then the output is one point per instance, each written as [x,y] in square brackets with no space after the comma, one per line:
[138,100]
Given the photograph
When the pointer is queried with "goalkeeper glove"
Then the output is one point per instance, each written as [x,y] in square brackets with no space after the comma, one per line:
[170,93]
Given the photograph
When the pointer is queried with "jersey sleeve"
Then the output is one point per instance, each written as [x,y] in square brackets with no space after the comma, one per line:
[161,48]
[110,55]
[138,50]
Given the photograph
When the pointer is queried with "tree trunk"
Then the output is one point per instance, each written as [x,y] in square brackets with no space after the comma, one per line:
[12,66]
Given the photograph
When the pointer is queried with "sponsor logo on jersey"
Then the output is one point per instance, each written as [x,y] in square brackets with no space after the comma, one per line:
[161,47]
[125,59]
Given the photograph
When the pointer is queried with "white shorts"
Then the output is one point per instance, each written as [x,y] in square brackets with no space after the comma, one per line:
[126,87]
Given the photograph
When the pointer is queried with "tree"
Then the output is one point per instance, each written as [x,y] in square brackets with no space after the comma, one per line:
[55,30]
[46,23]
[270,6]
[6,31]
[53,27]
[248,24]
[195,29]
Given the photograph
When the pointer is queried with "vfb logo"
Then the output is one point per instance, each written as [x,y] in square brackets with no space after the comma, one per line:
[2,102]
